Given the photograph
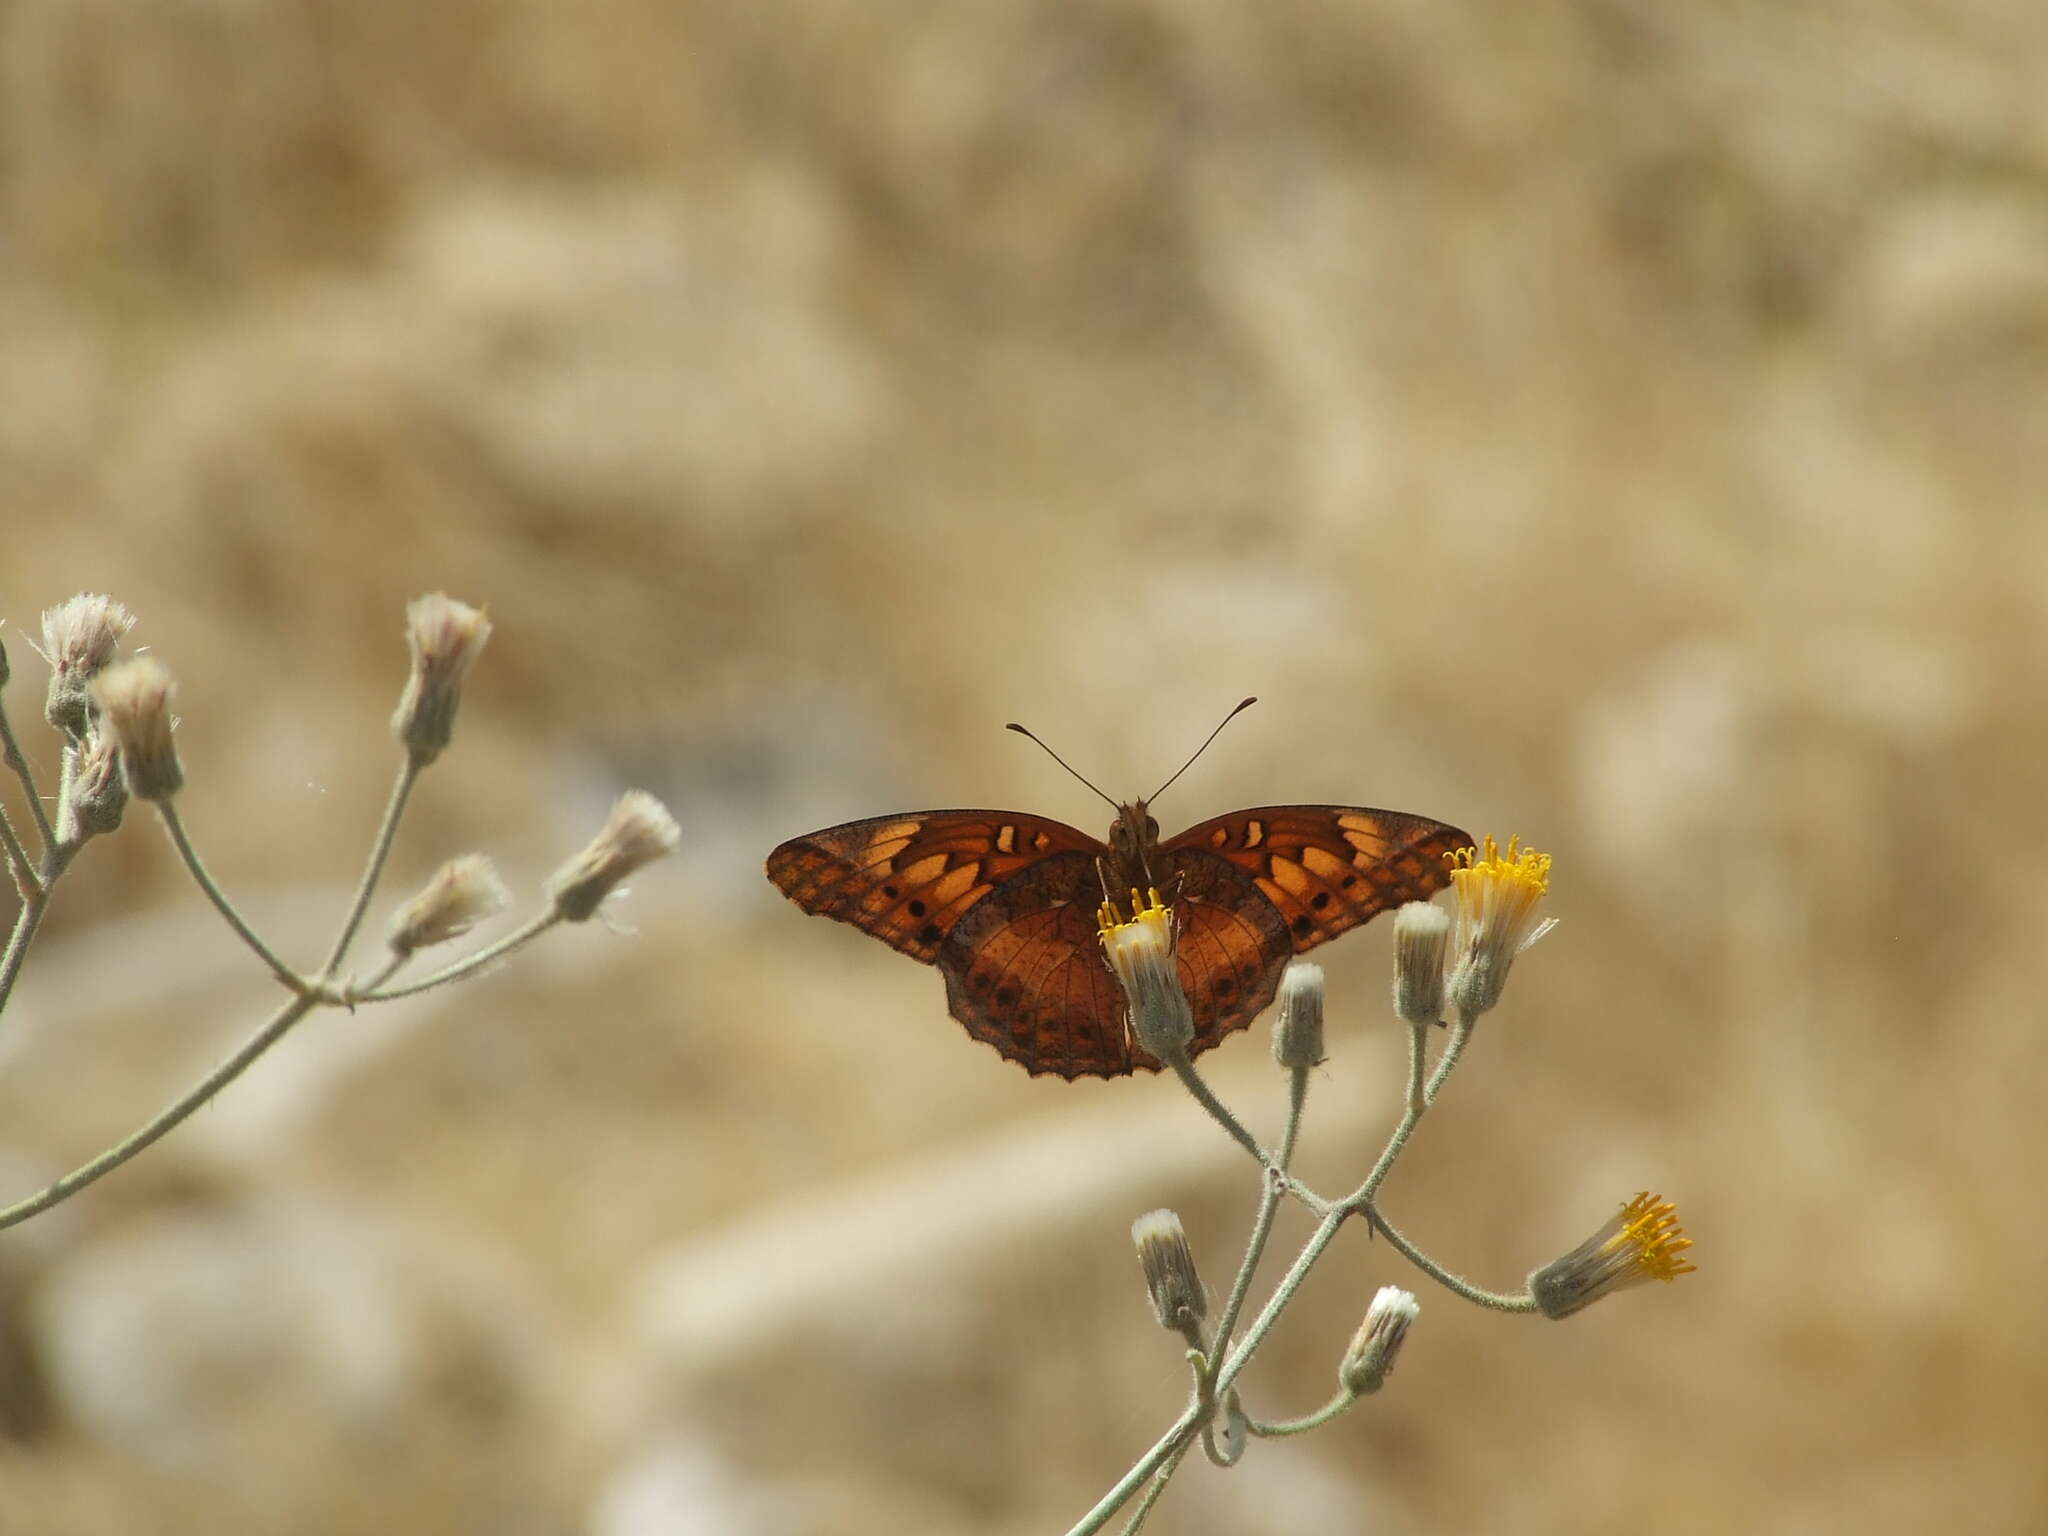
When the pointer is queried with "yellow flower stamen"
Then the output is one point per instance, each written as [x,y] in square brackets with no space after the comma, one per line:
[1649,1225]
[1154,912]
[1498,894]
[1520,867]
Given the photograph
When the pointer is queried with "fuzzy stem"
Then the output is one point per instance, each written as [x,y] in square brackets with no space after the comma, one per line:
[380,850]
[1450,1282]
[1262,1228]
[1283,1293]
[166,1121]
[1152,1493]
[175,826]
[1344,1399]
[1191,1080]
[1461,1036]
[1169,1448]
[17,761]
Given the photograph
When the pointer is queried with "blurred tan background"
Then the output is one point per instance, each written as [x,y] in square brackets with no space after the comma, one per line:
[1616,423]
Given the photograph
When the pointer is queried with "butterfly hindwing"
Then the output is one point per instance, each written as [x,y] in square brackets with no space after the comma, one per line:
[1025,972]
[1324,868]
[909,880]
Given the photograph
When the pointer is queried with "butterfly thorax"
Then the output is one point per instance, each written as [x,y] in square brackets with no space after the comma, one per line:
[1133,840]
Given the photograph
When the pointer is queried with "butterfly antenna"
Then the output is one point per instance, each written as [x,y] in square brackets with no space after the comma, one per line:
[1184,767]
[1048,751]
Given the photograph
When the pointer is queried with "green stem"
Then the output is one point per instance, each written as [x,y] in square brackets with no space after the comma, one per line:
[175,825]
[1461,1036]
[168,1120]
[468,966]
[1190,1079]
[1166,1471]
[18,861]
[380,850]
[1170,1447]
[1262,1228]
[1241,1355]
[30,917]
[1272,1431]
[1456,1283]
[15,759]
[1297,1097]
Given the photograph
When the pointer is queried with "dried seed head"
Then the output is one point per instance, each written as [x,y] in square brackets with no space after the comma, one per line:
[463,892]
[1170,1278]
[445,636]
[1643,1243]
[1422,932]
[639,831]
[1142,953]
[135,700]
[1298,1031]
[1369,1360]
[80,637]
[94,796]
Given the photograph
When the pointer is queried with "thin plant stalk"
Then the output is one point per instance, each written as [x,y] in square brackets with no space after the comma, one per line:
[165,1121]
[30,918]
[469,965]
[17,761]
[175,826]
[380,851]
[1494,1300]
[1170,1446]
[1461,1036]
[1341,1403]
[1152,1493]
[1190,1079]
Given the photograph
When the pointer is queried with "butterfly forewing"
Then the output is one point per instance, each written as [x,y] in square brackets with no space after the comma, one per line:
[909,879]
[1324,868]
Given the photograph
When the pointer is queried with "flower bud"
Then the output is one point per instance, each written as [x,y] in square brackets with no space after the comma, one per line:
[463,892]
[1298,1031]
[639,831]
[1643,1243]
[1369,1360]
[94,797]
[1422,932]
[135,702]
[1169,1263]
[1142,952]
[80,636]
[445,636]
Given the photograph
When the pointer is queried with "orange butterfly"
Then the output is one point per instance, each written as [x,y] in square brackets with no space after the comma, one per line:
[1005,905]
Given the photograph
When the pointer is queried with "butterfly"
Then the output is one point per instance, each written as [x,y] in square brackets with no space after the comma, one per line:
[1005,905]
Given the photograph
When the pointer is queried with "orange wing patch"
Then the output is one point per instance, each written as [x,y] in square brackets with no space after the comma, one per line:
[908,880]
[1326,868]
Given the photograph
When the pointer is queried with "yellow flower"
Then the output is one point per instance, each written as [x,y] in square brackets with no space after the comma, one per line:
[1142,953]
[1643,1243]
[1498,895]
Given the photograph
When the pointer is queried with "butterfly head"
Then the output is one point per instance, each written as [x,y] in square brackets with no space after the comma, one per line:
[1133,837]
